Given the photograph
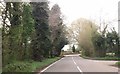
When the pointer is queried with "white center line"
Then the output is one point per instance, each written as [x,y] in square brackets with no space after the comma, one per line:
[77,65]
[74,61]
[79,69]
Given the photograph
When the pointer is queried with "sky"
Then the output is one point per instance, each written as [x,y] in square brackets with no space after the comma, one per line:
[93,10]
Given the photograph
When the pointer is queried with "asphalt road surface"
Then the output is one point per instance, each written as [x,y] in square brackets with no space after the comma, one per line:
[74,63]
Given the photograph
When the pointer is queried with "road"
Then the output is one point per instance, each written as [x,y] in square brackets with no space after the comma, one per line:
[74,63]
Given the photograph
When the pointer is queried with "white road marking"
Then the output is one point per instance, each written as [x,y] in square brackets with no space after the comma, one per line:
[79,69]
[77,66]
[74,61]
[51,65]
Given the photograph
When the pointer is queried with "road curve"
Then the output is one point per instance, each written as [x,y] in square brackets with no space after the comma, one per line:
[74,63]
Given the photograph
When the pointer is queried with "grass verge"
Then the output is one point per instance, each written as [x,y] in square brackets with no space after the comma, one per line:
[102,58]
[28,66]
[117,64]
[107,58]
[37,66]
[0,70]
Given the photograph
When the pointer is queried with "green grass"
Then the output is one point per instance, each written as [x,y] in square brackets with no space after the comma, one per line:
[102,58]
[40,65]
[107,58]
[0,70]
[28,66]
[117,64]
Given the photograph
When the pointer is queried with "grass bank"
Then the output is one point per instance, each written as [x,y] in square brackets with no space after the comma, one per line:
[102,58]
[28,66]
[117,64]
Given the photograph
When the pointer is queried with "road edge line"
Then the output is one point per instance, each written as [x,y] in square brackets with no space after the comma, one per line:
[50,65]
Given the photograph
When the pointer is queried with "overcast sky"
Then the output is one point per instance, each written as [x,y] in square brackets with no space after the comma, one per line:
[89,9]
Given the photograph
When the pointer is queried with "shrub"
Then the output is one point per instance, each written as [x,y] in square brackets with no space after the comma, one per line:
[17,67]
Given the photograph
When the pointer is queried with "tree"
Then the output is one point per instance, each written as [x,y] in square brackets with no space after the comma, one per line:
[57,27]
[11,31]
[81,31]
[41,41]
[5,37]
[73,48]
[112,39]
[17,31]
[28,29]
[99,42]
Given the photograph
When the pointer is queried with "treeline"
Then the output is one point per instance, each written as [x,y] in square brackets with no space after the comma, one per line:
[106,42]
[94,40]
[31,31]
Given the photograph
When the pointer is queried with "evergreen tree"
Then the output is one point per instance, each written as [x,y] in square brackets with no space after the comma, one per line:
[11,32]
[73,48]
[42,39]
[112,39]
[27,29]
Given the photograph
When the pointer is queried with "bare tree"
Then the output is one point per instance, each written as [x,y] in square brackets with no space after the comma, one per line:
[81,31]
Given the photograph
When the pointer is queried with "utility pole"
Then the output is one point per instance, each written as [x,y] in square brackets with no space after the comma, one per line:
[119,18]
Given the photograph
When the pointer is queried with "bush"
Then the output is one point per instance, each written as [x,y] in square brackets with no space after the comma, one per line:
[27,66]
[17,67]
